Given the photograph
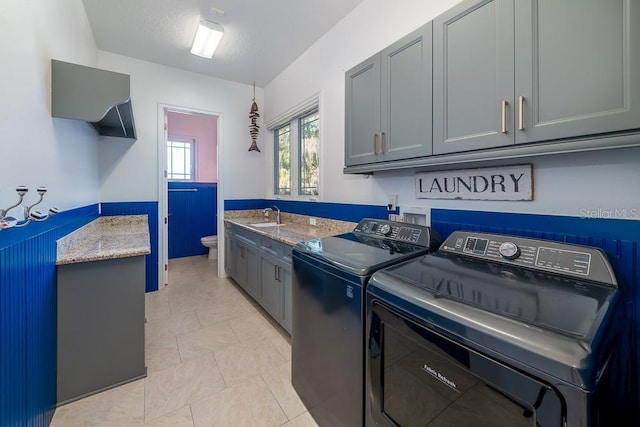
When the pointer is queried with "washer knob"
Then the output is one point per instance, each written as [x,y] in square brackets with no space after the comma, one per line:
[385,229]
[509,250]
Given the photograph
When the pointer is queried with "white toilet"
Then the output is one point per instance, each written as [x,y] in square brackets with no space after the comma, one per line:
[211,242]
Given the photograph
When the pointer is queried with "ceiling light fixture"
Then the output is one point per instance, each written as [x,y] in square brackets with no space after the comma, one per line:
[207,38]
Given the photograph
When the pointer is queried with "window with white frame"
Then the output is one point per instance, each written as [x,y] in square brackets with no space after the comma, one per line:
[181,159]
[297,155]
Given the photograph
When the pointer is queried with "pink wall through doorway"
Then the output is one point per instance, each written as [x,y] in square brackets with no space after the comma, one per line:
[204,130]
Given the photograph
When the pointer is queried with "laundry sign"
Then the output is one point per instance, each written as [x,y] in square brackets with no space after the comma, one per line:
[499,183]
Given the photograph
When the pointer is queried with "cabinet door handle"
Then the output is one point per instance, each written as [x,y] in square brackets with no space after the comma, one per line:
[276,269]
[504,116]
[521,112]
[375,144]
[381,142]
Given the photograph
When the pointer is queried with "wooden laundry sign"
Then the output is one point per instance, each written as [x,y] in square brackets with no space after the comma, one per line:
[499,183]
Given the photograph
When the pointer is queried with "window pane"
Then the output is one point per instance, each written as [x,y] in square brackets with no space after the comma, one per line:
[309,154]
[187,162]
[283,158]
[179,160]
[169,161]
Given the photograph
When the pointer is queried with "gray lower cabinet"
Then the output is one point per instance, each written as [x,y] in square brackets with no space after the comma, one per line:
[270,287]
[387,117]
[229,250]
[246,264]
[284,276]
[100,326]
[510,72]
[275,281]
[262,267]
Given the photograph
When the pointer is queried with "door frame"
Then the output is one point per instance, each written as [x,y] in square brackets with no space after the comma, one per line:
[163,199]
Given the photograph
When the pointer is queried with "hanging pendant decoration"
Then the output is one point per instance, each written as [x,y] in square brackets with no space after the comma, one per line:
[253,127]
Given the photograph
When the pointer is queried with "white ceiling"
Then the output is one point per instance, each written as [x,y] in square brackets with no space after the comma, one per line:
[262,37]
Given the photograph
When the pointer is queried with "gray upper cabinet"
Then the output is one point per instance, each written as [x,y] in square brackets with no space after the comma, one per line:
[510,78]
[473,76]
[362,111]
[406,75]
[387,117]
[577,68]
[511,72]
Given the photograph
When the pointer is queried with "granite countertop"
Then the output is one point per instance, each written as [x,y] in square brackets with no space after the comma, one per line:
[295,227]
[108,237]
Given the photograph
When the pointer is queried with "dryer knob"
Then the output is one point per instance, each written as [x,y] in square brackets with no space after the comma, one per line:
[385,229]
[509,250]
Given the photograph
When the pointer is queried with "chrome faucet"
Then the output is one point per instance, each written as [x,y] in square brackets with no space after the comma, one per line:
[277,215]
[266,211]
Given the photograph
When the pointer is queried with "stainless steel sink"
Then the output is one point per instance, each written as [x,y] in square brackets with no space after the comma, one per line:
[266,224]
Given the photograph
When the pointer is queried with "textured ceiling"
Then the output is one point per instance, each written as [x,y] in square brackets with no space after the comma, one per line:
[262,37]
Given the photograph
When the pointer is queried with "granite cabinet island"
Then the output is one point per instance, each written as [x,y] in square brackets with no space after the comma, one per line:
[101,292]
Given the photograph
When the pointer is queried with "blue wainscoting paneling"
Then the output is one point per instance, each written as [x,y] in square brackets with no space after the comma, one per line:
[620,240]
[28,317]
[141,208]
[244,204]
[340,211]
[192,215]
[13,337]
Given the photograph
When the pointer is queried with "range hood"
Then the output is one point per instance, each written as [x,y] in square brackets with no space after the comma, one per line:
[99,97]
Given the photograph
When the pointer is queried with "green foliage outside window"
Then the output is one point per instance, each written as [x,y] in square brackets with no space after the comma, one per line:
[309,147]
[283,173]
[304,167]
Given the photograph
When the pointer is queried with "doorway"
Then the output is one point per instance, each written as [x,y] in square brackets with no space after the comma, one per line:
[190,197]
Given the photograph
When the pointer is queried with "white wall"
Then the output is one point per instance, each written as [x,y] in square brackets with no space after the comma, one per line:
[129,169]
[564,184]
[36,149]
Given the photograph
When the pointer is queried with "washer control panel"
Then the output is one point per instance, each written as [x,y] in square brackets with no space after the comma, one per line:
[399,231]
[554,257]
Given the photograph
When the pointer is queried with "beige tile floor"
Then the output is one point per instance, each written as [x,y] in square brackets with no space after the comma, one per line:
[214,358]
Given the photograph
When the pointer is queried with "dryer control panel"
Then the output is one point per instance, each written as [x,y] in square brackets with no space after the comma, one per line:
[399,231]
[554,257]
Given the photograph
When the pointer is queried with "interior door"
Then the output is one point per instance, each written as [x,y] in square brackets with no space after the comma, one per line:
[163,199]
